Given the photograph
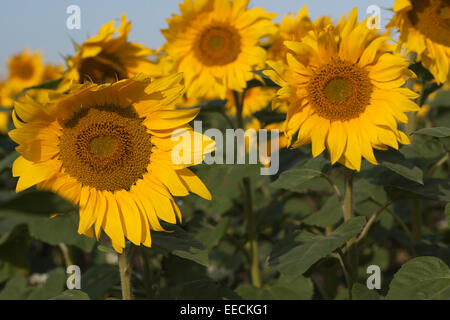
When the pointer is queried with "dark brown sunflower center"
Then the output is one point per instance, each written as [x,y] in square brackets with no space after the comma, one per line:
[339,90]
[25,71]
[432,19]
[106,147]
[103,68]
[218,45]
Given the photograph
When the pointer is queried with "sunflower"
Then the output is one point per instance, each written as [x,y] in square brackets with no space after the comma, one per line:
[344,92]
[425,30]
[293,28]
[106,59]
[215,43]
[108,149]
[25,69]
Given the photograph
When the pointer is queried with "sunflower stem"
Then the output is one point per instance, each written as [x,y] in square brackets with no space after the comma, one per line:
[125,276]
[252,229]
[352,254]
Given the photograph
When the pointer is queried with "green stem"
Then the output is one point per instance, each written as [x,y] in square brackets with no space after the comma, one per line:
[125,279]
[252,233]
[66,254]
[352,254]
[252,229]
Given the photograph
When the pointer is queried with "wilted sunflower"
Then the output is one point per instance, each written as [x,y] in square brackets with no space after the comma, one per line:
[215,43]
[344,92]
[108,149]
[425,30]
[106,59]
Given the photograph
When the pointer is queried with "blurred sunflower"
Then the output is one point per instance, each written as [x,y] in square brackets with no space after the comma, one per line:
[108,149]
[215,43]
[25,69]
[425,30]
[106,59]
[344,92]
[293,28]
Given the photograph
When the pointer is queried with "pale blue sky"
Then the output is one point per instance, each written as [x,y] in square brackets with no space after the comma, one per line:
[42,24]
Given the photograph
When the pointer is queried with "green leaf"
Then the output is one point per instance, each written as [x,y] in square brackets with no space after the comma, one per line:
[14,255]
[395,161]
[438,132]
[62,228]
[210,235]
[328,215]
[15,289]
[33,203]
[436,189]
[50,85]
[53,286]
[292,179]
[99,278]
[300,174]
[72,295]
[181,244]
[283,289]
[422,278]
[295,257]
[360,292]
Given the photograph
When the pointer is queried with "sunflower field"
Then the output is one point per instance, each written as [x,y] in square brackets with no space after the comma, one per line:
[251,157]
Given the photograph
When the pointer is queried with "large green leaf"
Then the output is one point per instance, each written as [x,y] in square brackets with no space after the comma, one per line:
[53,286]
[16,288]
[180,243]
[360,292]
[296,256]
[437,132]
[301,173]
[60,229]
[32,204]
[14,255]
[395,161]
[436,189]
[98,279]
[292,179]
[422,278]
[328,215]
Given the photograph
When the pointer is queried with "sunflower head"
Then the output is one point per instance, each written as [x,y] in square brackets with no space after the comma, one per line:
[344,92]
[108,149]
[215,43]
[293,28]
[106,58]
[425,31]
[25,69]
